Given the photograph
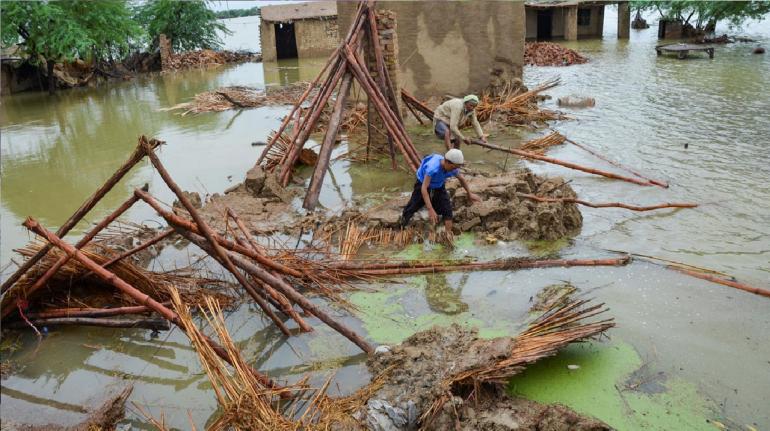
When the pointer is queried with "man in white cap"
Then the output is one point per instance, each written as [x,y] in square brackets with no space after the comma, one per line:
[430,189]
[448,117]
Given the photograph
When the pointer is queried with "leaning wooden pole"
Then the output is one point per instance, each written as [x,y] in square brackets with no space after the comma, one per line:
[219,252]
[186,224]
[609,204]
[150,242]
[395,119]
[311,198]
[87,206]
[570,165]
[385,113]
[131,291]
[9,305]
[291,293]
[617,164]
[283,303]
[294,108]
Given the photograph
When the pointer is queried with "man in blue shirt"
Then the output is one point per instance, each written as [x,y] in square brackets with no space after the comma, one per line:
[430,190]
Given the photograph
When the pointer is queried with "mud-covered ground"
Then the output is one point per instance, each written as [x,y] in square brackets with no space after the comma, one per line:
[502,214]
[416,369]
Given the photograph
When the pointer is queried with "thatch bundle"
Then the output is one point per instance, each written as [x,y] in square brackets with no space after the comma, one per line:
[245,403]
[239,97]
[511,106]
[541,145]
[74,285]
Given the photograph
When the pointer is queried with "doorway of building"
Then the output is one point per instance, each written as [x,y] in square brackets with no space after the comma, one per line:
[285,41]
[544,24]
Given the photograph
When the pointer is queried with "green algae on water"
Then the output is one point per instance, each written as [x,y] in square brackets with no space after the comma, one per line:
[598,388]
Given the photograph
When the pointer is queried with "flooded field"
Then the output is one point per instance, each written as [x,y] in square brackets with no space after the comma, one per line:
[685,351]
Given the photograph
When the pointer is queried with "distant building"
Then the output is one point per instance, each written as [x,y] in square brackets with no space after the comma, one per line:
[452,47]
[572,20]
[298,30]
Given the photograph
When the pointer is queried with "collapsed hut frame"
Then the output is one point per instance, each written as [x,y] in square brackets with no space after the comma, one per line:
[267,280]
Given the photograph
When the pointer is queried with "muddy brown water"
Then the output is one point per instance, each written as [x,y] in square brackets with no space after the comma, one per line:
[55,151]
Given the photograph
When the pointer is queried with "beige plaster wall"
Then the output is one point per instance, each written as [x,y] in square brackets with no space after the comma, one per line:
[267,40]
[453,47]
[316,37]
[596,25]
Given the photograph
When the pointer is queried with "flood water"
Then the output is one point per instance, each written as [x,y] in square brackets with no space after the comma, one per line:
[57,150]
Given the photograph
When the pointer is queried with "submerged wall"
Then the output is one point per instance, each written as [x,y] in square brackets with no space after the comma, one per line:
[453,47]
[316,37]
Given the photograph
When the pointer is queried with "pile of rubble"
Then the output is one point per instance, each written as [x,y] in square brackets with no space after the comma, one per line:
[551,54]
[207,58]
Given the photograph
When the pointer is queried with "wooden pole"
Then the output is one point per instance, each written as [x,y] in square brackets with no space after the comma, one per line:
[609,204]
[89,312]
[384,112]
[155,324]
[183,223]
[284,304]
[311,198]
[53,269]
[722,281]
[403,268]
[138,296]
[307,128]
[154,240]
[290,293]
[219,252]
[296,106]
[618,165]
[411,100]
[394,117]
[87,206]
[570,165]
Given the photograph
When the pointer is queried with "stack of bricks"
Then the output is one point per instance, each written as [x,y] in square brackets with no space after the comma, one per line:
[386,29]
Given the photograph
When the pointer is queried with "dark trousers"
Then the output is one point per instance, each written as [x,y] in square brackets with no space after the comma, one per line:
[439,198]
[440,129]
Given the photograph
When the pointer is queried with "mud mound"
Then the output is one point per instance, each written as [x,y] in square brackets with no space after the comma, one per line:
[417,367]
[502,213]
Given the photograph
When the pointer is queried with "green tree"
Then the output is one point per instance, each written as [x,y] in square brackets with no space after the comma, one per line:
[48,32]
[236,13]
[189,24]
[704,15]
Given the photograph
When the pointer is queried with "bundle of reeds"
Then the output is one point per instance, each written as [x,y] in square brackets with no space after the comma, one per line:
[513,107]
[544,337]
[239,97]
[541,145]
[75,284]
[245,403]
[273,155]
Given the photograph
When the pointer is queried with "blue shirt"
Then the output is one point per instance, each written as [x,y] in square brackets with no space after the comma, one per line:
[431,166]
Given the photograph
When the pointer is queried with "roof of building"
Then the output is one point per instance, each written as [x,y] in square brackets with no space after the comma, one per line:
[295,11]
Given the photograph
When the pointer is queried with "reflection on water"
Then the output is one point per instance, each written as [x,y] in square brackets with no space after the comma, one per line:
[57,150]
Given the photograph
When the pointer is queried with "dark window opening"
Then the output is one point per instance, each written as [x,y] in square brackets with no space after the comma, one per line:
[544,24]
[285,41]
[584,17]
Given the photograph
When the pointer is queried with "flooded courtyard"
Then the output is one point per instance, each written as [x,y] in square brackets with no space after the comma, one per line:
[685,351]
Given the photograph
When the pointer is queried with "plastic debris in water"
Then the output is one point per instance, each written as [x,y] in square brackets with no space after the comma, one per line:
[573,367]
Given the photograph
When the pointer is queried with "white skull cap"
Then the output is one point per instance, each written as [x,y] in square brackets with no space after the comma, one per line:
[455,156]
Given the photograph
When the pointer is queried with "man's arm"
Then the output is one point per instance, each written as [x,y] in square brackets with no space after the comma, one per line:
[472,196]
[477,127]
[454,124]
[426,198]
